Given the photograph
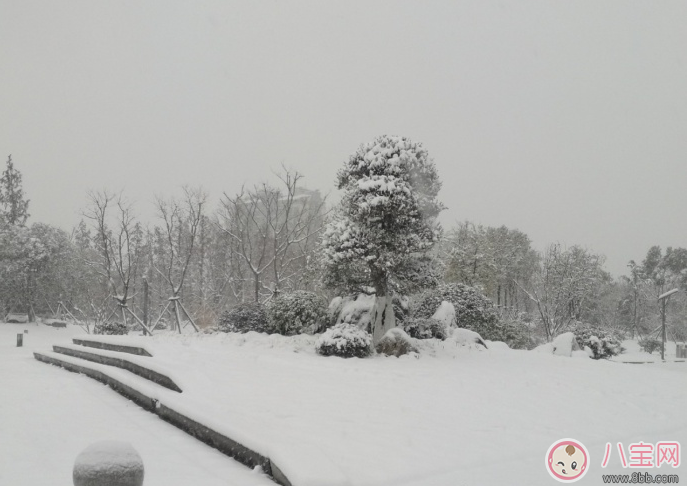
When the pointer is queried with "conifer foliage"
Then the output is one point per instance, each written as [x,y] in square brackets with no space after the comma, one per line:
[13,207]
[385,224]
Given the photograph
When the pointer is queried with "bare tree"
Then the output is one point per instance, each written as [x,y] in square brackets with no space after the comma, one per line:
[273,231]
[566,280]
[117,251]
[181,226]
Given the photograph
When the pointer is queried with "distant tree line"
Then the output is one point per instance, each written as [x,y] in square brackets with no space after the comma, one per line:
[193,261]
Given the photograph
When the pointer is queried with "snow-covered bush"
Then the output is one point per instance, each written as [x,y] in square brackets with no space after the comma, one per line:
[357,311]
[649,345]
[395,343]
[296,313]
[244,317]
[421,328]
[604,343]
[473,310]
[346,341]
[111,328]
[516,332]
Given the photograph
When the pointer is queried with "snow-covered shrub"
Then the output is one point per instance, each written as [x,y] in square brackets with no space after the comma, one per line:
[111,328]
[516,332]
[649,345]
[473,310]
[421,328]
[244,317]
[346,341]
[357,311]
[395,343]
[604,343]
[296,312]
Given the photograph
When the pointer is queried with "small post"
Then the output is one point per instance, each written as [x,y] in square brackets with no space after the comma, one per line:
[20,340]
[663,331]
[662,298]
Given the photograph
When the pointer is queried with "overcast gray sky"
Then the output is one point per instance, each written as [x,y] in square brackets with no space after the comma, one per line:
[566,120]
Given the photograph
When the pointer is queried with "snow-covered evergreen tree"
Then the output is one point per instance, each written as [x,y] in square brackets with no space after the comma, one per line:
[386,223]
[14,209]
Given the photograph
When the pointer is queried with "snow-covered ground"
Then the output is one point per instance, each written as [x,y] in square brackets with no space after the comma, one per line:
[454,415]
[48,416]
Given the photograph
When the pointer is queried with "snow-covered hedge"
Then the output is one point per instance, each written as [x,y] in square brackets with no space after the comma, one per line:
[296,313]
[421,328]
[649,345]
[111,328]
[604,343]
[473,310]
[516,332]
[395,342]
[346,341]
[244,317]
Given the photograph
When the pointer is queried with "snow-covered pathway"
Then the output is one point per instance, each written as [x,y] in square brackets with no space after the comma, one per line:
[48,416]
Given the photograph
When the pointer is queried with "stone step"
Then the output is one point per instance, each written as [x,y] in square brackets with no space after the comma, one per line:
[159,400]
[120,348]
[115,359]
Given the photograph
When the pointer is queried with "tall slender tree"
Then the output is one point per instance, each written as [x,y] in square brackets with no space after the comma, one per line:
[13,206]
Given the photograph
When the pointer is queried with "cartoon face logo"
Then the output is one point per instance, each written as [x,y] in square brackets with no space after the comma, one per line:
[567,460]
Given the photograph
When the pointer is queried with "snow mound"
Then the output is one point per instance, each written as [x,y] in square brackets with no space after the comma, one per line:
[108,462]
[497,345]
[446,314]
[565,344]
[546,348]
[467,338]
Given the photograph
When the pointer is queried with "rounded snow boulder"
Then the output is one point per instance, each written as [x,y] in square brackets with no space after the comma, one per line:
[395,342]
[446,314]
[108,463]
[565,344]
[468,338]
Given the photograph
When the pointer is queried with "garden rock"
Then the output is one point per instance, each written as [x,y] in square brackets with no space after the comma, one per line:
[108,463]
[395,343]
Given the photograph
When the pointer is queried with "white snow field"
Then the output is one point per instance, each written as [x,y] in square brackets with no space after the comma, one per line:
[455,415]
[48,416]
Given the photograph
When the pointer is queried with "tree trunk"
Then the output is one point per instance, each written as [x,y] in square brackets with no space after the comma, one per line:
[383,317]
[145,301]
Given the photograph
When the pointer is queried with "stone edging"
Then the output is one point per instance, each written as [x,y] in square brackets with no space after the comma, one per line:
[201,432]
[123,363]
[111,347]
